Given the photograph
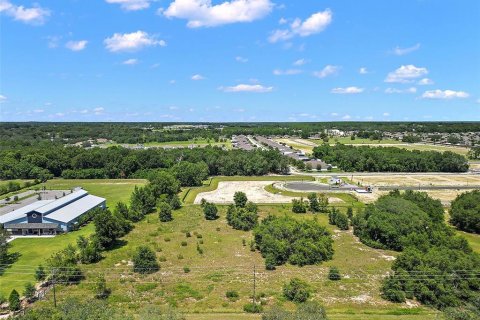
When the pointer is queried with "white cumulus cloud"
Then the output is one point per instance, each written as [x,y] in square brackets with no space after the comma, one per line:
[403,51]
[327,71]
[197,77]
[130,62]
[445,94]
[394,90]
[300,62]
[258,88]
[131,5]
[406,74]
[2,98]
[76,45]
[347,90]
[425,82]
[287,72]
[316,23]
[241,59]
[202,13]
[132,41]
[363,70]
[35,15]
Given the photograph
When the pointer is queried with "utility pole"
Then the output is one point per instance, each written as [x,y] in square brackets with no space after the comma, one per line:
[254,284]
[54,293]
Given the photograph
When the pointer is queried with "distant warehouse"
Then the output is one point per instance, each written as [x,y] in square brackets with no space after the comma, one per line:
[47,217]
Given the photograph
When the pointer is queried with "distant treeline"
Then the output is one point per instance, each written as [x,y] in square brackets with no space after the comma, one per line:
[30,133]
[389,159]
[190,166]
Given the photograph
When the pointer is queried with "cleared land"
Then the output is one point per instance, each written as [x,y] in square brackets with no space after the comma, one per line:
[188,195]
[255,191]
[227,264]
[30,252]
[418,180]
[178,144]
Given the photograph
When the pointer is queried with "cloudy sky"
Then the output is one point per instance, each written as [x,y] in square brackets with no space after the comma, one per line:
[241,60]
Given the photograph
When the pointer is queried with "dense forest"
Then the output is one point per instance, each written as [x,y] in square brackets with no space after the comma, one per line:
[390,159]
[33,132]
[435,266]
[190,166]
[465,212]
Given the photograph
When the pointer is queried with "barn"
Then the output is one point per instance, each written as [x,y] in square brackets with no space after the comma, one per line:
[49,217]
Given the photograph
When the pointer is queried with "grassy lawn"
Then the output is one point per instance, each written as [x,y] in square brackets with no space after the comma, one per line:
[188,195]
[33,252]
[360,141]
[114,190]
[227,264]
[473,239]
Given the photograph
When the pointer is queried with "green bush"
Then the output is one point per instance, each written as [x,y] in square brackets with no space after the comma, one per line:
[334,274]
[14,301]
[232,295]
[252,308]
[145,260]
[296,290]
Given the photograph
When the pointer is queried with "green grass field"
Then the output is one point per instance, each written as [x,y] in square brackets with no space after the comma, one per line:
[33,252]
[227,264]
[473,240]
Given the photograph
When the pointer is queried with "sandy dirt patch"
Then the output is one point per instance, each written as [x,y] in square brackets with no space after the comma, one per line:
[419,180]
[255,191]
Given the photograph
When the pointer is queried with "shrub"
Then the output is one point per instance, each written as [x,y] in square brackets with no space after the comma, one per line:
[14,301]
[40,274]
[299,206]
[296,290]
[465,212]
[175,202]
[334,274]
[210,211]
[240,199]
[232,295]
[242,218]
[145,260]
[184,243]
[186,269]
[29,291]
[252,308]
[341,221]
[164,212]
[285,239]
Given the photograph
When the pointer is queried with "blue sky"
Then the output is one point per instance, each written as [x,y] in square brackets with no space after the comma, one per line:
[242,60]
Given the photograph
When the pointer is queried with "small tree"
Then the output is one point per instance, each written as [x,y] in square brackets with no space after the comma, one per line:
[299,206]
[296,290]
[240,199]
[314,205]
[322,202]
[350,213]
[100,287]
[145,260]
[341,220]
[14,301]
[165,212]
[334,274]
[175,202]
[29,291]
[332,215]
[210,211]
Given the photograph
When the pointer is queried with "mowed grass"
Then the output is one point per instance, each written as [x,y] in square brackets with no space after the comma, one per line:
[227,264]
[188,195]
[473,239]
[34,251]
[359,141]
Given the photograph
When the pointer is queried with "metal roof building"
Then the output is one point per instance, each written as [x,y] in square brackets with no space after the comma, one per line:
[51,216]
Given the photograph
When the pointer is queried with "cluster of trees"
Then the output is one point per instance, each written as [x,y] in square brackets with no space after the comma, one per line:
[435,266]
[26,134]
[285,239]
[338,218]
[474,153]
[210,210]
[465,212]
[390,159]
[243,215]
[316,203]
[189,166]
